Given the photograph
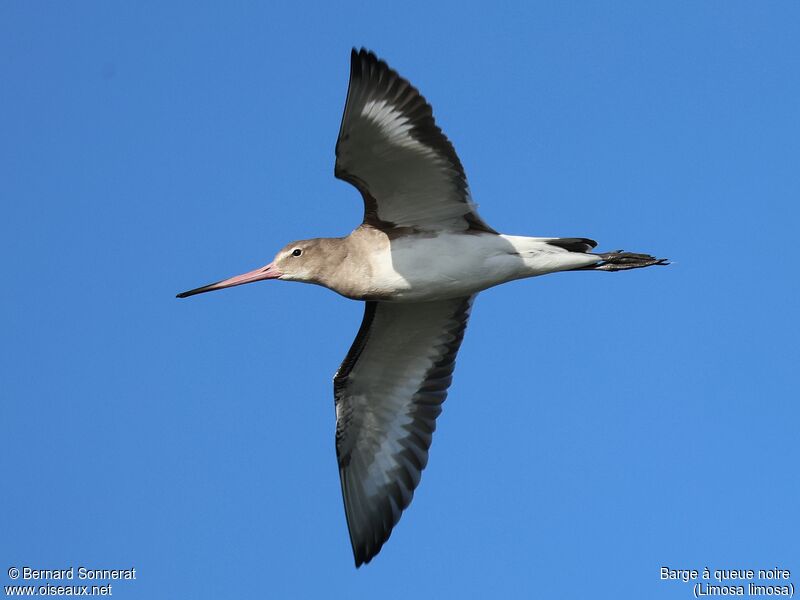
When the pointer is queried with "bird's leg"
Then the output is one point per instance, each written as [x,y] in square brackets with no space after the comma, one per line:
[622,261]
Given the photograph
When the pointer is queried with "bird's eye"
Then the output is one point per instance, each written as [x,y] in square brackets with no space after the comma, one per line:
[297,252]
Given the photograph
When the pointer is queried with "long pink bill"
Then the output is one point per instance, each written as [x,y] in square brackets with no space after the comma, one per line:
[268,272]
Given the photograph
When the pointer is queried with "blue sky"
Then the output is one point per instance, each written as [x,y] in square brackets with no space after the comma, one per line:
[600,426]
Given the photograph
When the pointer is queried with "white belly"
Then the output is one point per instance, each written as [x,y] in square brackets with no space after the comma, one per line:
[421,268]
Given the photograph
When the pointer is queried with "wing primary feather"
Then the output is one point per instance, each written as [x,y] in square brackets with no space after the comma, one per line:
[390,148]
[388,393]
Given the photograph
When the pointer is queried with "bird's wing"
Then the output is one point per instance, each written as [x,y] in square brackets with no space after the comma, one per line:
[388,393]
[390,148]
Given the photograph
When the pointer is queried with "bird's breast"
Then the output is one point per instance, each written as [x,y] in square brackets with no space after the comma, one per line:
[425,267]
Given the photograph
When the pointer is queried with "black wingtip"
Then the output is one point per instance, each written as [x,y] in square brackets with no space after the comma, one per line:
[360,557]
[363,557]
[362,58]
[355,63]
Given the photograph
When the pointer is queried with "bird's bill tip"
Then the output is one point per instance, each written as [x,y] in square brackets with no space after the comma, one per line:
[268,272]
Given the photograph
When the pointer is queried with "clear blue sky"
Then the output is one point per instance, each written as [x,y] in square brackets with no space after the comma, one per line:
[600,426]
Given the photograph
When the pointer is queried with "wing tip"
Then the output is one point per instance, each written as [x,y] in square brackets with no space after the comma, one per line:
[363,52]
[362,60]
[363,555]
[365,547]
[360,558]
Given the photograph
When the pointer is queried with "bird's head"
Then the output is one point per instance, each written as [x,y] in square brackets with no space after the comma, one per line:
[294,262]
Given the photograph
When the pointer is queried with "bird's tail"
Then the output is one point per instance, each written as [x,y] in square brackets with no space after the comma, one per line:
[619,260]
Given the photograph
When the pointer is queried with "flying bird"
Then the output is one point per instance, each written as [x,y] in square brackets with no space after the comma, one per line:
[417,261]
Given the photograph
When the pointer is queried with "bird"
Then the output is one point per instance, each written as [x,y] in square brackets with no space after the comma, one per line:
[417,262]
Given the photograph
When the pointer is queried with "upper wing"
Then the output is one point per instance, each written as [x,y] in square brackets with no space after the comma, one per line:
[388,393]
[390,148]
